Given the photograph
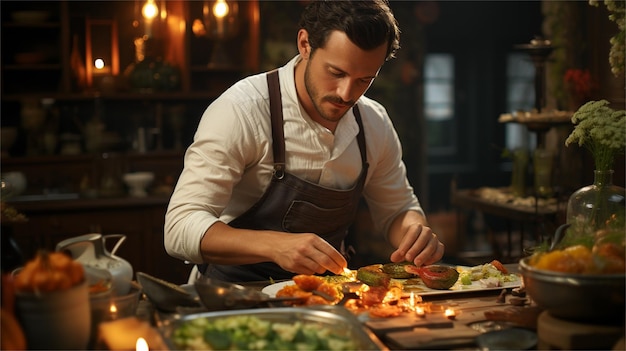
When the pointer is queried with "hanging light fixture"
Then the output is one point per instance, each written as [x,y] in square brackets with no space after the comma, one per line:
[149,12]
[220,24]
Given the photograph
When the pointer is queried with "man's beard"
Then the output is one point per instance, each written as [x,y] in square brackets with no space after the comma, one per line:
[316,100]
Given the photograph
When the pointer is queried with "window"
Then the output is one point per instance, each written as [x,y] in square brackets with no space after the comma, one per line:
[520,96]
[439,103]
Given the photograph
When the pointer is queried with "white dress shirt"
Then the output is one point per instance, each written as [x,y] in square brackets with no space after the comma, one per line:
[229,164]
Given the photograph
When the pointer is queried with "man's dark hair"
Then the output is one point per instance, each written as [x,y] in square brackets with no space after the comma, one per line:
[368,24]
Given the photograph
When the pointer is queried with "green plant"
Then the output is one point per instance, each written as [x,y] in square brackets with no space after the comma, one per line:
[601,130]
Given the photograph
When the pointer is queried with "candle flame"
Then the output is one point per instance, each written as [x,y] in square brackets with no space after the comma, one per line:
[141,345]
[220,9]
[449,313]
[419,310]
[99,63]
[113,309]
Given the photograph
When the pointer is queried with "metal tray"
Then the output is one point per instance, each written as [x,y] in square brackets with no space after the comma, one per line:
[334,317]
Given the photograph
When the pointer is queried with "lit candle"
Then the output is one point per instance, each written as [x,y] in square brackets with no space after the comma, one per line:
[449,313]
[100,67]
[412,301]
[141,345]
[113,310]
[419,310]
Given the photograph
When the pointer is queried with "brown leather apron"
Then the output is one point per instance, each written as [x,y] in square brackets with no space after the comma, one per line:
[293,205]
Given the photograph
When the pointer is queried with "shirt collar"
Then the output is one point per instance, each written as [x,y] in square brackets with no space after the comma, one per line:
[347,128]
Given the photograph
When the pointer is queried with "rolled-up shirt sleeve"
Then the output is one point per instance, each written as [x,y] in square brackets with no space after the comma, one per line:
[223,146]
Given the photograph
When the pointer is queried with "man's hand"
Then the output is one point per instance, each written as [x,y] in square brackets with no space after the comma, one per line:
[416,242]
[301,253]
[307,253]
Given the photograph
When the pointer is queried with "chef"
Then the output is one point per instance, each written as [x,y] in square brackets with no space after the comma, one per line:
[273,178]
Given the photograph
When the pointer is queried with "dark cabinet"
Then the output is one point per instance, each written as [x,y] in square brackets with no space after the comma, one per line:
[36,60]
[160,85]
[140,220]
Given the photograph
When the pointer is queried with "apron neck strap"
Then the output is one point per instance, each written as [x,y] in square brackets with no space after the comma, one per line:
[278,136]
[276,111]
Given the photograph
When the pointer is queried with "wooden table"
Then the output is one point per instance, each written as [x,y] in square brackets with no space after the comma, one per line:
[474,314]
[409,331]
[477,312]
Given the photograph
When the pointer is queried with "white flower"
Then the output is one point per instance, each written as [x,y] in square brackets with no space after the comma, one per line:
[601,130]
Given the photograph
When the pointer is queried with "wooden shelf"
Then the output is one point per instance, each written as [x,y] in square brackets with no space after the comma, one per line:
[27,25]
[67,19]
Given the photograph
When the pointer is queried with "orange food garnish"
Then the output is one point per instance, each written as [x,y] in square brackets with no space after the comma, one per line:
[329,289]
[383,311]
[609,258]
[317,300]
[308,282]
[573,259]
[292,290]
[373,296]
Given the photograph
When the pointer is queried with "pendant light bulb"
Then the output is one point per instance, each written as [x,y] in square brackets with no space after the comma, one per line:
[220,9]
[149,10]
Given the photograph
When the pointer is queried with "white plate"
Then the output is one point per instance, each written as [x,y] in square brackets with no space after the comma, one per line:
[419,289]
[460,288]
[272,289]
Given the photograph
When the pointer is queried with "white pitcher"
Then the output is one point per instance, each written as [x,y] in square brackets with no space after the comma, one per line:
[90,250]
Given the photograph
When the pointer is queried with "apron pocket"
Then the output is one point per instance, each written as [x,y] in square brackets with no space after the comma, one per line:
[305,217]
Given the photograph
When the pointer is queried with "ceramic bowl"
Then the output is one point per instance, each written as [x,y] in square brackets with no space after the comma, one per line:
[577,297]
[138,182]
[12,184]
[58,320]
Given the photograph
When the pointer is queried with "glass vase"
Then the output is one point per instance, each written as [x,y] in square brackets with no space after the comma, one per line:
[599,206]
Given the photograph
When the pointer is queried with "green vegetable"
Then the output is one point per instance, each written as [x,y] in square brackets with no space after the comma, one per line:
[217,339]
[373,276]
[254,333]
[397,271]
[466,279]
[484,271]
